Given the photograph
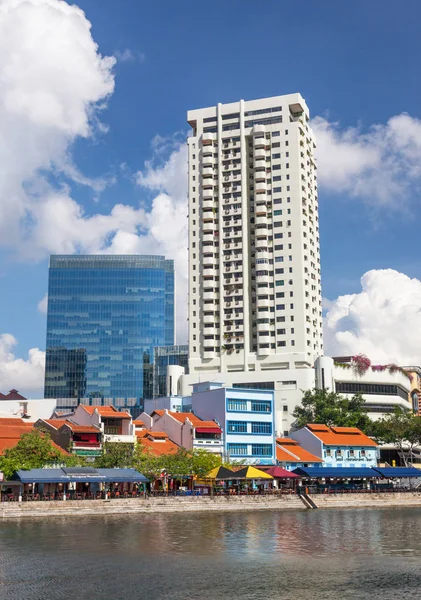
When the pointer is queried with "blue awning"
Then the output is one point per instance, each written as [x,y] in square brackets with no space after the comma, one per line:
[338,472]
[391,472]
[87,475]
[123,475]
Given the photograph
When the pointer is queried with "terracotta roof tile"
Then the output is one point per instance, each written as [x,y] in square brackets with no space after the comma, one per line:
[107,411]
[159,448]
[341,436]
[288,450]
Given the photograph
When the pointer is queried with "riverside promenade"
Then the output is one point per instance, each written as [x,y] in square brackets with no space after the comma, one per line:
[155,505]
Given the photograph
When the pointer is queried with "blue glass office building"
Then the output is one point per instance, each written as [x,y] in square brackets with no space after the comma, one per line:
[105,316]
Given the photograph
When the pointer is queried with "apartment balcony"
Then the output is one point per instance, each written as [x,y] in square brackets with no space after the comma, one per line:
[265,351]
[259,154]
[262,241]
[264,337]
[208,216]
[208,237]
[209,319]
[209,260]
[214,446]
[266,303]
[261,187]
[260,209]
[262,278]
[210,295]
[263,255]
[208,203]
[209,272]
[209,353]
[210,329]
[260,176]
[259,129]
[207,138]
[207,172]
[261,220]
[208,161]
[119,438]
[208,194]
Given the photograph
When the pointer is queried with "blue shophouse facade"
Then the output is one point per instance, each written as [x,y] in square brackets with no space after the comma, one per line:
[246,416]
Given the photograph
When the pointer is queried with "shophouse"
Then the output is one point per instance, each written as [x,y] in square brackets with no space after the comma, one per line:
[338,446]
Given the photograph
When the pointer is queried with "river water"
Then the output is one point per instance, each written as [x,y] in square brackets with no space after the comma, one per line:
[318,555]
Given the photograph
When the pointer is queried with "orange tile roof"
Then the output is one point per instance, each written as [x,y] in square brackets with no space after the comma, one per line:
[341,436]
[138,422]
[148,433]
[159,448]
[288,450]
[10,436]
[107,411]
[5,421]
[158,412]
[56,423]
[194,419]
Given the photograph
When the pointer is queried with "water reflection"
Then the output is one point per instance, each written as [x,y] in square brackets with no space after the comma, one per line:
[305,554]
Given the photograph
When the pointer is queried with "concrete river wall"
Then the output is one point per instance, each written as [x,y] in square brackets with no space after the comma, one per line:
[148,505]
[77,508]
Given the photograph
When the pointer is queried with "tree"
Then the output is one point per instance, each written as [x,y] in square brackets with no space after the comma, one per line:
[147,463]
[402,429]
[115,455]
[332,409]
[202,462]
[34,451]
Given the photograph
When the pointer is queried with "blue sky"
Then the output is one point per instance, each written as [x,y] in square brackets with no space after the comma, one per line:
[356,64]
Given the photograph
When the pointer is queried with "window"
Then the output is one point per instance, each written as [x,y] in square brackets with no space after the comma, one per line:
[236,405]
[276,213]
[276,167]
[274,156]
[261,405]
[277,178]
[261,449]
[237,427]
[276,190]
[351,452]
[257,385]
[276,133]
[237,449]
[362,453]
[328,452]
[285,408]
[276,144]
[261,428]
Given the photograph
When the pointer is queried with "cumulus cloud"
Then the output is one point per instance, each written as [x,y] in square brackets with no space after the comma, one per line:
[381,166]
[166,222]
[26,375]
[43,305]
[382,320]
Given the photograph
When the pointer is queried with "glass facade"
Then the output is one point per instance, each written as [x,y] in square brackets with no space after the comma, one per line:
[163,357]
[105,316]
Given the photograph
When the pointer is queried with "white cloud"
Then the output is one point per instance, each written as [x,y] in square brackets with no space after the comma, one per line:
[382,166]
[382,320]
[166,222]
[25,375]
[43,305]
[127,55]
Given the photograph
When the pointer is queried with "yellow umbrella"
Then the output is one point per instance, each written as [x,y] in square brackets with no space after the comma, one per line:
[251,473]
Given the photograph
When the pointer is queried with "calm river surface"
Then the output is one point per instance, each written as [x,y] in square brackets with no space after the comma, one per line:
[322,555]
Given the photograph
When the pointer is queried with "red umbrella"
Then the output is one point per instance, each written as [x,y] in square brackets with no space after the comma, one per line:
[280,473]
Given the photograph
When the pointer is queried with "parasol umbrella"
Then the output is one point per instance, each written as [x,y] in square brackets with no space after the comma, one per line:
[220,473]
[250,473]
[280,473]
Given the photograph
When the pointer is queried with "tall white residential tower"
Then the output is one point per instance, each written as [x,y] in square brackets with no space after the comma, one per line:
[254,264]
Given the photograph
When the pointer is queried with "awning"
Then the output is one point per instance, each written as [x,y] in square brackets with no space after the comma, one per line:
[208,430]
[87,475]
[280,473]
[123,476]
[336,472]
[391,472]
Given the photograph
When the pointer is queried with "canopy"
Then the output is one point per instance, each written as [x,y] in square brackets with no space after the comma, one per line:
[251,473]
[88,475]
[391,472]
[338,472]
[220,473]
[208,429]
[280,473]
